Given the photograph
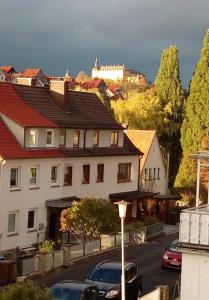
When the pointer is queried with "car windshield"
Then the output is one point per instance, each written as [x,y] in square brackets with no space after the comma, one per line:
[174,246]
[106,275]
[65,294]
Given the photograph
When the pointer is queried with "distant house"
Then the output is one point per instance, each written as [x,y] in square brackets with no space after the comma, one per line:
[152,168]
[33,77]
[2,75]
[9,74]
[95,83]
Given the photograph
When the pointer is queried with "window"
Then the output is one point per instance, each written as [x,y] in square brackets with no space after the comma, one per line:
[31,218]
[33,176]
[33,137]
[150,174]
[12,222]
[114,138]
[145,174]
[158,173]
[14,178]
[54,174]
[62,138]
[76,138]
[86,174]
[49,137]
[95,138]
[100,172]
[124,172]
[68,175]
[154,174]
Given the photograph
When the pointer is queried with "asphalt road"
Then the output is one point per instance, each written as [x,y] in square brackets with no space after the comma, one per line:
[147,256]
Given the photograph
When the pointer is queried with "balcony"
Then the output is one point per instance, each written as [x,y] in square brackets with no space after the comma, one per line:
[194,228]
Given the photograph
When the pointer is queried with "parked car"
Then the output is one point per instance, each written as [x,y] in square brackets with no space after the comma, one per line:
[74,290]
[107,276]
[172,256]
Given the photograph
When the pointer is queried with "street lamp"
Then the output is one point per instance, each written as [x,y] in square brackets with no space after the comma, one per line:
[122,205]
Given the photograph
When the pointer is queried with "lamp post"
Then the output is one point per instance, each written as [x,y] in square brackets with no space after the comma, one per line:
[122,205]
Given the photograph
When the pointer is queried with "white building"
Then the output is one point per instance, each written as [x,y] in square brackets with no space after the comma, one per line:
[119,73]
[194,241]
[153,175]
[56,146]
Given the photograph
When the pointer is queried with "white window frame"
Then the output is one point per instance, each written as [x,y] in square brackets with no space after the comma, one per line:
[35,210]
[36,184]
[56,182]
[35,144]
[52,137]
[16,213]
[17,186]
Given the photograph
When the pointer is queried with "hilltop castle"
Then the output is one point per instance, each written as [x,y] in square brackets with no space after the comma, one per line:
[118,72]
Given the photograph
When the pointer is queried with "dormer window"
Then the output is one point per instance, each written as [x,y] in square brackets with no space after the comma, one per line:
[33,137]
[95,138]
[49,137]
[114,138]
[76,138]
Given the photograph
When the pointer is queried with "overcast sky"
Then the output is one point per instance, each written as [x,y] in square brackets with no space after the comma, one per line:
[70,34]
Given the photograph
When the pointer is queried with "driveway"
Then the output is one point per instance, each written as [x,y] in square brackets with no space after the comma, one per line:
[147,256]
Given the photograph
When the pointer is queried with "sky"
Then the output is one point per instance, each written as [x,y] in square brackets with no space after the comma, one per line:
[71,34]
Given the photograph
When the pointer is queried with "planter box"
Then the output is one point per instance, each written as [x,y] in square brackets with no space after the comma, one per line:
[45,262]
[58,258]
[107,241]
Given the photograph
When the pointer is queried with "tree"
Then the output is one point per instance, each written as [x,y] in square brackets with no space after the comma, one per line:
[169,90]
[25,290]
[140,111]
[82,77]
[89,218]
[195,128]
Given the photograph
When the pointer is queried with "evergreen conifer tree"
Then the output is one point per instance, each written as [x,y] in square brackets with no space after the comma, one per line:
[168,88]
[195,128]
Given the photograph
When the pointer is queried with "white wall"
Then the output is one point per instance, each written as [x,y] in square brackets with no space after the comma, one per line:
[104,138]
[24,199]
[195,275]
[108,73]
[154,160]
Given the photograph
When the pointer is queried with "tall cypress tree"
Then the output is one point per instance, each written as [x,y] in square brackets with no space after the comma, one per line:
[195,128]
[168,88]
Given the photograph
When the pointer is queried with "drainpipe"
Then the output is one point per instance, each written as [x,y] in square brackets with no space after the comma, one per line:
[139,173]
[167,172]
[84,139]
[198,182]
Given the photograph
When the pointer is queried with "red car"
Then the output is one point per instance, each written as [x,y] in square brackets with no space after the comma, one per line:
[172,257]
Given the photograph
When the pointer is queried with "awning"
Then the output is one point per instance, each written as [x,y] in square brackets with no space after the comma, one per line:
[167,197]
[61,202]
[132,195]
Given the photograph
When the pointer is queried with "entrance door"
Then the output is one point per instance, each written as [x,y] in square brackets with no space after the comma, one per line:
[53,225]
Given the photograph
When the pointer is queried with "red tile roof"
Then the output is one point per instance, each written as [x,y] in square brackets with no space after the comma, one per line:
[11,149]
[15,108]
[7,69]
[30,72]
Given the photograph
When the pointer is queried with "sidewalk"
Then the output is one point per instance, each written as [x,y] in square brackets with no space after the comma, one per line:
[170,229]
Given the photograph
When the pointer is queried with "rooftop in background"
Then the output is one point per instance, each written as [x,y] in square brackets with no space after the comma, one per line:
[201,154]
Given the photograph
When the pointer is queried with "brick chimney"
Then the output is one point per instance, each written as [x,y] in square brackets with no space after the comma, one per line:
[59,93]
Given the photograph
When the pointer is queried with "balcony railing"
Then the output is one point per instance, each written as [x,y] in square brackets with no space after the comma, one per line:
[194,227]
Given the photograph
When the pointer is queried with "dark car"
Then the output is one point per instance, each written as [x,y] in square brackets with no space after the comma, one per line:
[172,257]
[74,290]
[107,276]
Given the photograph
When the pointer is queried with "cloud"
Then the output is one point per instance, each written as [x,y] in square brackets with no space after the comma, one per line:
[56,35]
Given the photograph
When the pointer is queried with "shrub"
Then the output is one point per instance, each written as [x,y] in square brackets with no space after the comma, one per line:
[47,246]
[25,290]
